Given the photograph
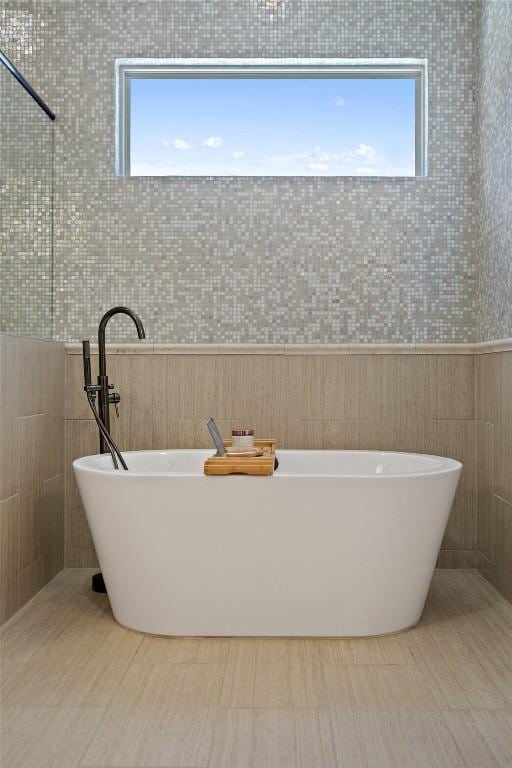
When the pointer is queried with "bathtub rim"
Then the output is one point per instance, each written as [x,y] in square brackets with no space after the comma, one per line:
[448,465]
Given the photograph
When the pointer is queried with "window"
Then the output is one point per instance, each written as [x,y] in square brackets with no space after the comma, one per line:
[261,117]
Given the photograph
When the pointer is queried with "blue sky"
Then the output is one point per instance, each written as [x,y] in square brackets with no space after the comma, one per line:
[272,127]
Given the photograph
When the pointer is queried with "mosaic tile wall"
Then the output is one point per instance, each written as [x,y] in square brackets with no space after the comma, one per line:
[495,121]
[263,260]
[26,167]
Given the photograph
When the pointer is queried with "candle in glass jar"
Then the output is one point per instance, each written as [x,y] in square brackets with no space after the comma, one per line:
[242,439]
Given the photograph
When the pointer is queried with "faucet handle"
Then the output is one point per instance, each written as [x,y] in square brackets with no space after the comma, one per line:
[114,399]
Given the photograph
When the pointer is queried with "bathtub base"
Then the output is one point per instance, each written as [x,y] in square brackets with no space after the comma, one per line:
[267,637]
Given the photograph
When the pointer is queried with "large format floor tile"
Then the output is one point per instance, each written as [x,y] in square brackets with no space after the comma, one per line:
[80,691]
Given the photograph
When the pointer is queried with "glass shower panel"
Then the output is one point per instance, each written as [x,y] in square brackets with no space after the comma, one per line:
[26,204]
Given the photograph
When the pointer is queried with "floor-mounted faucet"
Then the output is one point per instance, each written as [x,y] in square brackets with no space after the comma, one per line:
[106,398]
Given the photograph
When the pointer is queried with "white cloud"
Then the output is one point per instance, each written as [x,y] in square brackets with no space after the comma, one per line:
[182,144]
[359,160]
[339,101]
[214,142]
[366,151]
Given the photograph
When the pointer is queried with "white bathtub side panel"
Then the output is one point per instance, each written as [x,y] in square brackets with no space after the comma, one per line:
[260,556]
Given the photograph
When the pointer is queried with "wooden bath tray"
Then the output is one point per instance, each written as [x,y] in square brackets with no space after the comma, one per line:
[244,465]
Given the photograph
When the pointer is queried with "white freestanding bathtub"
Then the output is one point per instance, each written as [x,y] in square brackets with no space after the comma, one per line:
[336,543]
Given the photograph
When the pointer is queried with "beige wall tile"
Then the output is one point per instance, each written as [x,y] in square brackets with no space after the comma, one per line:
[52,380]
[9,376]
[485,567]
[397,402]
[188,434]
[487,378]
[9,457]
[9,546]
[502,563]
[485,474]
[452,387]
[494,468]
[457,558]
[251,390]
[32,448]
[9,409]
[31,580]
[80,557]
[76,401]
[53,441]
[28,376]
[405,432]
[32,390]
[81,440]
[327,435]
[503,457]
[133,377]
[40,372]
[396,387]
[326,387]
[186,387]
[236,389]
[52,513]
[456,439]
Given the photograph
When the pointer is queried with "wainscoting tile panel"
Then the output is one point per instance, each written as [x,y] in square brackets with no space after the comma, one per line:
[52,512]
[32,393]
[504,433]
[452,387]
[456,439]
[485,473]
[457,558]
[380,402]
[81,440]
[53,442]
[9,549]
[31,580]
[29,375]
[487,384]
[396,388]
[330,435]
[31,432]
[325,387]
[9,455]
[133,377]
[502,563]
[9,408]
[76,401]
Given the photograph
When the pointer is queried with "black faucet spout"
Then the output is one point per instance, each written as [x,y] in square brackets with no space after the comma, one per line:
[103,327]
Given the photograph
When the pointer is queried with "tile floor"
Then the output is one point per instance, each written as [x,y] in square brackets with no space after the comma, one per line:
[79,691]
